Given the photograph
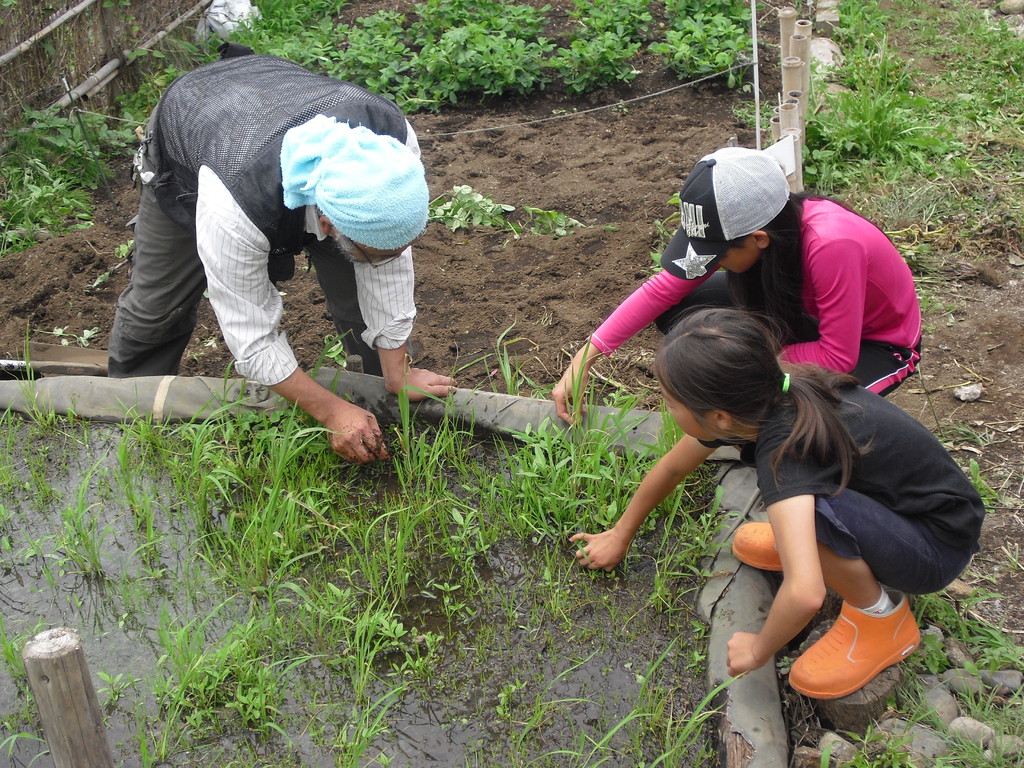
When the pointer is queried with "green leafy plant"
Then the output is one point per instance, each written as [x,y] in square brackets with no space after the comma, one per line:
[706,44]
[466,208]
[542,222]
[628,21]
[595,62]
[475,61]
[69,338]
[989,495]
[434,18]
[376,55]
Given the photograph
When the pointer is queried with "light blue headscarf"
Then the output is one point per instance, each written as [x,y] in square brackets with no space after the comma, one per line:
[371,187]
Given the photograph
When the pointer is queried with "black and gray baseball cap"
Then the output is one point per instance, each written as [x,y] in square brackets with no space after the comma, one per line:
[729,194]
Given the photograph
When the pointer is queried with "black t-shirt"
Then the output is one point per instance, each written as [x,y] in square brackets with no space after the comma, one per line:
[903,467]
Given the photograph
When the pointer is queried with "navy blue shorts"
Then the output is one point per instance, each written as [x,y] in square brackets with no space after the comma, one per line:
[902,551]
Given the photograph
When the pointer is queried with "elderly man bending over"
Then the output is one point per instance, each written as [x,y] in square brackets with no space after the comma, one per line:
[246,162]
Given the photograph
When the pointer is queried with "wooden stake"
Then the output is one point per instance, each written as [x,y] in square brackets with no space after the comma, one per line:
[70,713]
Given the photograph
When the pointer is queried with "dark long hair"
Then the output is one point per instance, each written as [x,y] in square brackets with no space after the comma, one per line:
[773,286]
[728,360]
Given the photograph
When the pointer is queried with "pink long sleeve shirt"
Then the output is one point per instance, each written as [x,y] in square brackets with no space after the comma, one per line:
[856,284]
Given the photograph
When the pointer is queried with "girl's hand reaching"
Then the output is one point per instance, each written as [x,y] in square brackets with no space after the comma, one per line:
[602,550]
[741,653]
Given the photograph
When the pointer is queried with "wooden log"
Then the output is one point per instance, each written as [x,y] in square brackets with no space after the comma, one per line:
[68,707]
[856,712]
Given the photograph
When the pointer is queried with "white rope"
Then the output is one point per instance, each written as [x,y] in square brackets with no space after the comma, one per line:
[588,111]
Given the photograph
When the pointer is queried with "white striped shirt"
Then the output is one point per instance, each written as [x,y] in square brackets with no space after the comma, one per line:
[248,306]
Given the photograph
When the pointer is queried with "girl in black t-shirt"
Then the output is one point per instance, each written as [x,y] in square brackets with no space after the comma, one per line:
[858,494]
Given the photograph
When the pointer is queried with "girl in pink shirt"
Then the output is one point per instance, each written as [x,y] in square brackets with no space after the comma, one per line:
[833,284]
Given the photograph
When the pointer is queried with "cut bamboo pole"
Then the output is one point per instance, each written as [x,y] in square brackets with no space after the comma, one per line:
[70,713]
[800,48]
[789,117]
[792,74]
[106,73]
[22,47]
[776,127]
[796,182]
[801,99]
[787,28]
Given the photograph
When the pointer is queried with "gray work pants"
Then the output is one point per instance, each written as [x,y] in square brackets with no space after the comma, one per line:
[156,313]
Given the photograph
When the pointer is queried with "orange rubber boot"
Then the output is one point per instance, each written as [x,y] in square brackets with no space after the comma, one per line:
[754,544]
[854,650]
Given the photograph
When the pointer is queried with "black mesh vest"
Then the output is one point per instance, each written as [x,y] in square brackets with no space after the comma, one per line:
[231,115]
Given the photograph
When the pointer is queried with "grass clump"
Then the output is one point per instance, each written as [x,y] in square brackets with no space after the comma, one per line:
[48,169]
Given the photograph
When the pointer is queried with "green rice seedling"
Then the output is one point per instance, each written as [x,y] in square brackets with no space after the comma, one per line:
[377,559]
[507,370]
[422,454]
[139,500]
[687,537]
[427,456]
[83,538]
[10,743]
[233,676]
[373,633]
[367,720]
[11,645]
[319,611]
[116,686]
[558,481]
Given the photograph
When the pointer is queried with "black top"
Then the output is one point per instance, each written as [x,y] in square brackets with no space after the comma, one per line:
[903,467]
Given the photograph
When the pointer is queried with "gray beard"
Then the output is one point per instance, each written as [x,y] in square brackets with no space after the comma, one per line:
[343,252]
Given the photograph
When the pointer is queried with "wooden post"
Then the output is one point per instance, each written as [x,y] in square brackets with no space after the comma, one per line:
[108,27]
[68,707]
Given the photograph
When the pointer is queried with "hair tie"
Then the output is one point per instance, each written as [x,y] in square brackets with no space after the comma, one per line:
[785,383]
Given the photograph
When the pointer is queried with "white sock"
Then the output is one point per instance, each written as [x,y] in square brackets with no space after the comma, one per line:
[883,607]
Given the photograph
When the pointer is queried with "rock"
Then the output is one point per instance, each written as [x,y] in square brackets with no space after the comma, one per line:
[842,752]
[1011,7]
[957,653]
[962,682]
[922,741]
[969,729]
[825,53]
[806,757]
[959,590]
[932,631]
[1005,682]
[942,703]
[969,392]
[1007,745]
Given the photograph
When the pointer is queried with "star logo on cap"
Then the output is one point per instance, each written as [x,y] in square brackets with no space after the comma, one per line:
[695,264]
